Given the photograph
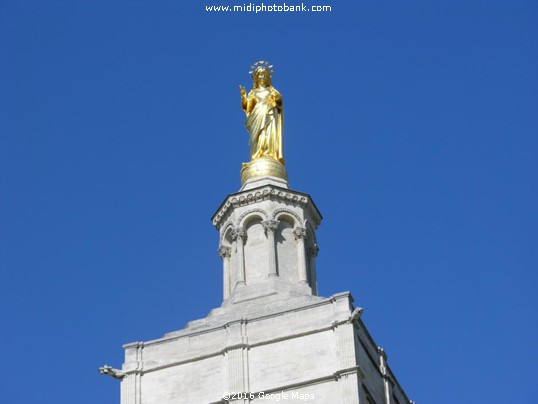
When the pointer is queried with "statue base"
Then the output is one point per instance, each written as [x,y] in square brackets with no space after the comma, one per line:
[263,167]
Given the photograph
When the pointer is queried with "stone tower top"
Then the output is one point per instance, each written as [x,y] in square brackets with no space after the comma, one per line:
[267,242]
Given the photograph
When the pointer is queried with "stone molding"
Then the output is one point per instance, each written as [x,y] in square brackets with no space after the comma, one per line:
[350,371]
[250,212]
[225,350]
[136,344]
[289,212]
[273,217]
[241,343]
[228,225]
[302,384]
[235,351]
[232,347]
[267,192]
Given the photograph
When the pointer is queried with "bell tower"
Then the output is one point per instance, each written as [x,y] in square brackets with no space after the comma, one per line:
[268,244]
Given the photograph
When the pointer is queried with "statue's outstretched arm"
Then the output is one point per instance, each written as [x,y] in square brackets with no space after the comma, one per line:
[244,101]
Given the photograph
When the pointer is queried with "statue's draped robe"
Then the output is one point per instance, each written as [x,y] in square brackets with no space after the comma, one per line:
[264,123]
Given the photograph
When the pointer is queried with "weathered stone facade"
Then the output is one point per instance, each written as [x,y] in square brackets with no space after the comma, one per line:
[273,339]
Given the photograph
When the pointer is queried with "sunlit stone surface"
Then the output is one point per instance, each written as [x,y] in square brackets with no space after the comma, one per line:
[273,339]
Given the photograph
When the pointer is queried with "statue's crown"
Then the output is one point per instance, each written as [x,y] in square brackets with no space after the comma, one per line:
[262,64]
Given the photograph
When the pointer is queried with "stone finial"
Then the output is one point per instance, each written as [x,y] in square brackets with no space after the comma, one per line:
[299,233]
[270,225]
[110,371]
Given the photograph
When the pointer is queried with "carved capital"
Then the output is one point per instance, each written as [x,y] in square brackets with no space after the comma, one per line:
[239,233]
[225,252]
[270,225]
[313,251]
[299,233]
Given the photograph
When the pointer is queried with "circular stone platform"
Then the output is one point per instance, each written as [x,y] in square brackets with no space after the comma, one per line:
[263,167]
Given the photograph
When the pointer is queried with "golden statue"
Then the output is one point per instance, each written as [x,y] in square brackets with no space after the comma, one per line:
[263,107]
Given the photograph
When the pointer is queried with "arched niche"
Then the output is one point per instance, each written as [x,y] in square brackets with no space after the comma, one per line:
[286,249]
[229,263]
[226,239]
[311,247]
[226,253]
[288,215]
[251,215]
[256,250]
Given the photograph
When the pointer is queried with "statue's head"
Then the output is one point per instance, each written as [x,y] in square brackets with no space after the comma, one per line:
[262,77]
[261,74]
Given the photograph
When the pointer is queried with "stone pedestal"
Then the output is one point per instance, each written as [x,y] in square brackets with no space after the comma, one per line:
[263,167]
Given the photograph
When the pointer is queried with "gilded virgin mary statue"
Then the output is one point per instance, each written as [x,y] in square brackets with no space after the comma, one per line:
[264,111]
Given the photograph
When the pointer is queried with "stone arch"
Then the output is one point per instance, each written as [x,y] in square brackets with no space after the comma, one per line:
[283,212]
[310,233]
[255,249]
[286,247]
[311,246]
[225,235]
[226,254]
[250,215]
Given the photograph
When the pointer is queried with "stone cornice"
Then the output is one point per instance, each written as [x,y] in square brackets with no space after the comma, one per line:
[266,192]
[353,370]
[145,368]
[186,332]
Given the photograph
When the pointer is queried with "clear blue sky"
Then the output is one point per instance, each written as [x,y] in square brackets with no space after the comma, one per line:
[413,125]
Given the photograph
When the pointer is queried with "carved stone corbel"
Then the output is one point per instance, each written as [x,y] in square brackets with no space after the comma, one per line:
[110,371]
[225,252]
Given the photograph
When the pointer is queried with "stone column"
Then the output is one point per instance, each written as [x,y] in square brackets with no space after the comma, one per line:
[270,227]
[237,370]
[348,374]
[236,354]
[131,384]
[300,235]
[225,253]
[128,389]
[238,236]
[312,253]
